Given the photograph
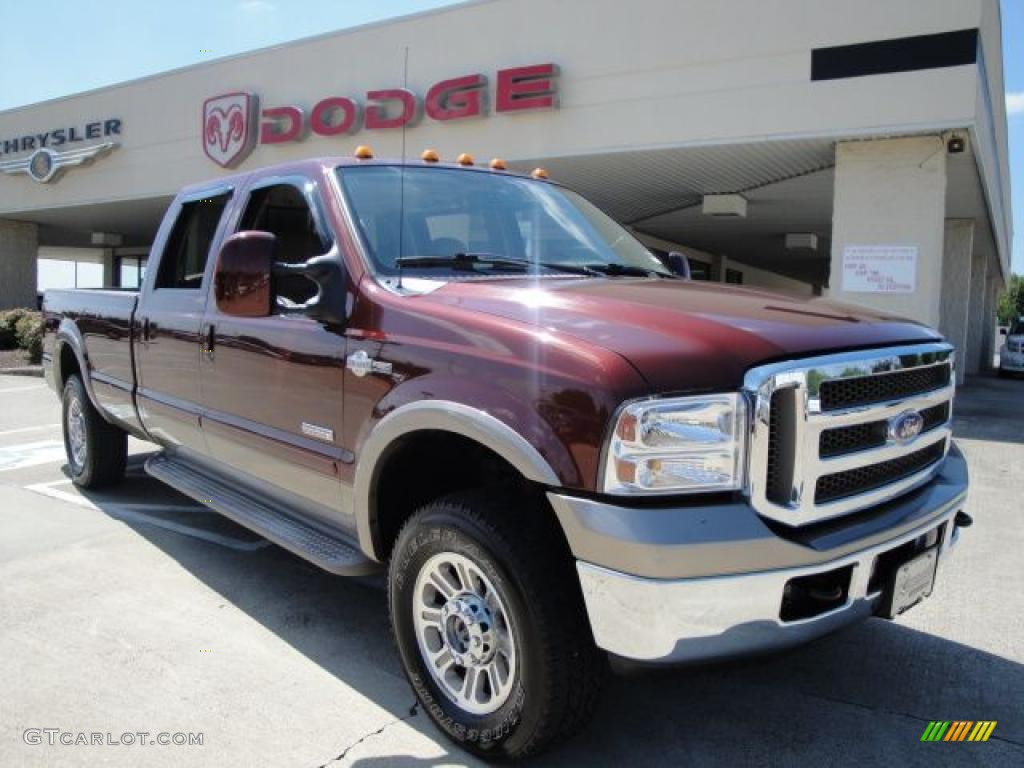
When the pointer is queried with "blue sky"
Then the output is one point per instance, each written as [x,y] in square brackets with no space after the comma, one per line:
[89,45]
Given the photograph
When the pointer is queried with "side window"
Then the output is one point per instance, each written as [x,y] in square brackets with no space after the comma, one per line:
[188,248]
[283,211]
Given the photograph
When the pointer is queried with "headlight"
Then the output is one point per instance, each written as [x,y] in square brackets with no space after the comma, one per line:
[678,445]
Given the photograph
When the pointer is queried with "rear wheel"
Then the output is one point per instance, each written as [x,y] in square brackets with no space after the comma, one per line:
[96,450]
[490,624]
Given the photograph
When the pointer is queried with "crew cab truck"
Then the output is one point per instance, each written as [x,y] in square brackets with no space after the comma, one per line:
[557,448]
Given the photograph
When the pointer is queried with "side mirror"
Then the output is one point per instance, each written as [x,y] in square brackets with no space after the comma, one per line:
[328,272]
[679,264]
[1002,331]
[242,278]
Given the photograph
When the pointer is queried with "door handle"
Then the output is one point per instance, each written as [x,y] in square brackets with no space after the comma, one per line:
[209,339]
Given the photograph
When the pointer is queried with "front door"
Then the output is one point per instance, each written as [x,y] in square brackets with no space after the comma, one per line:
[169,320]
[272,386]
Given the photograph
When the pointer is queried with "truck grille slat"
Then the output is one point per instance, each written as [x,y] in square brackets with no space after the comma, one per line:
[843,440]
[865,390]
[844,484]
[829,435]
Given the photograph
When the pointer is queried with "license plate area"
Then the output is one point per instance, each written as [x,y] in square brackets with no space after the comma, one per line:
[911,582]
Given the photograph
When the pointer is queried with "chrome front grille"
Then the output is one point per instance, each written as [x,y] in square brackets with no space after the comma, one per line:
[824,436]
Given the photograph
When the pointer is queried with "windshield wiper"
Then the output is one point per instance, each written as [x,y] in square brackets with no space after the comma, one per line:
[470,261]
[614,269]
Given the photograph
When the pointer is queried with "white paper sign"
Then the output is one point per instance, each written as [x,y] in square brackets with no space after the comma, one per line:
[880,268]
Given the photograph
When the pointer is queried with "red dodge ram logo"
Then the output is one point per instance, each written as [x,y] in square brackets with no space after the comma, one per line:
[228,131]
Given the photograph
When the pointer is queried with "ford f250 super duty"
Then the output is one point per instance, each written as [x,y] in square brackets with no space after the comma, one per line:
[557,447]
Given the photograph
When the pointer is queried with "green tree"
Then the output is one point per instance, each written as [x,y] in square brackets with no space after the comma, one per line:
[1011,303]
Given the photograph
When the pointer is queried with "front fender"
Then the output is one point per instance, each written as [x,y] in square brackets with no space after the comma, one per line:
[479,423]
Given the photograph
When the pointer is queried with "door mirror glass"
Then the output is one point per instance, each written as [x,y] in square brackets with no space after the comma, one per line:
[679,264]
[242,279]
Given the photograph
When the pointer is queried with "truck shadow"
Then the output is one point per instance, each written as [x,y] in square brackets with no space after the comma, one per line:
[847,698]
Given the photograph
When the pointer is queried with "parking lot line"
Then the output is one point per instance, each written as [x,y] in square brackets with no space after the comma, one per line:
[36,428]
[131,513]
[12,390]
[31,454]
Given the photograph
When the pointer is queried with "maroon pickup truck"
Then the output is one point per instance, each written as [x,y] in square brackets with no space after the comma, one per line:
[557,447]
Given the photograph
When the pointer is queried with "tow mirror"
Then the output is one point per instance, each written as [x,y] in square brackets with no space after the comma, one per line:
[679,264]
[242,279]
[328,272]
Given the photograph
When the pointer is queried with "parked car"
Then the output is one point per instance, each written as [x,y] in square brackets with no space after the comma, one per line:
[557,448]
[1011,354]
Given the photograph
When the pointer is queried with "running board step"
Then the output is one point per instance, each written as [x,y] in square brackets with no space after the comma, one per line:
[321,548]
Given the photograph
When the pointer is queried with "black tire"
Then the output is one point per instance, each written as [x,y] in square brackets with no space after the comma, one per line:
[559,671]
[106,446]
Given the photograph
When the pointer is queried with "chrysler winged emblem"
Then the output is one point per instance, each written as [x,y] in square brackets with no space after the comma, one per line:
[229,130]
[45,164]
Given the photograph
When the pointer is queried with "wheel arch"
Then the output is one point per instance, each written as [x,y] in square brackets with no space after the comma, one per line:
[418,420]
[70,357]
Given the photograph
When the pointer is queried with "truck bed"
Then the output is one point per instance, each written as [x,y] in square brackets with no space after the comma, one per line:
[104,323]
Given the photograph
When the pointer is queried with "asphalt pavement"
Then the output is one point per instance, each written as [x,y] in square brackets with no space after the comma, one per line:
[137,610]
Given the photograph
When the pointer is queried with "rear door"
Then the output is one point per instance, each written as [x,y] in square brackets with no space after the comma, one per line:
[170,316]
[272,386]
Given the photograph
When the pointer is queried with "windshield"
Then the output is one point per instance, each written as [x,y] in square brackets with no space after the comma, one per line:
[449,212]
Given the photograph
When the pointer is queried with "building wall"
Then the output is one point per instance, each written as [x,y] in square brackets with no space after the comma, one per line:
[958,249]
[18,244]
[892,193]
[628,80]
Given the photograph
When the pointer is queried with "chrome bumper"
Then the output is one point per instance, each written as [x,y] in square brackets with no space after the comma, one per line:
[709,616]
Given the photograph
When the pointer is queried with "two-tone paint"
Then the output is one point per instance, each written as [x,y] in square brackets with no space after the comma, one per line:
[533,368]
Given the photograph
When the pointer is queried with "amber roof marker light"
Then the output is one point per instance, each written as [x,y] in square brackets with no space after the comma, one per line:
[464,159]
[497,164]
[539,173]
[429,156]
[363,152]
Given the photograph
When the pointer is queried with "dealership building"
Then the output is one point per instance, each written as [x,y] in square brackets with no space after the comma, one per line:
[817,147]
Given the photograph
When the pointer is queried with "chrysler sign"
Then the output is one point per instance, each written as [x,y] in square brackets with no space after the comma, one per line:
[233,123]
[58,148]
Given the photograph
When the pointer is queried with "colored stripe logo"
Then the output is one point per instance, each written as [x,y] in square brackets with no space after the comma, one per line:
[958,730]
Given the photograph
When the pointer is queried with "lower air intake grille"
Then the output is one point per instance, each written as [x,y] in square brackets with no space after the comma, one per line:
[863,479]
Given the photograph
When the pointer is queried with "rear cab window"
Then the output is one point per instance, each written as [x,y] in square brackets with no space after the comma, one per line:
[187,251]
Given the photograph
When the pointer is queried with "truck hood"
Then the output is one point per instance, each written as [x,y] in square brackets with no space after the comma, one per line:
[683,335]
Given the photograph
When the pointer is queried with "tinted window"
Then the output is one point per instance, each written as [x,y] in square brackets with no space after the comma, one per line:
[283,210]
[188,248]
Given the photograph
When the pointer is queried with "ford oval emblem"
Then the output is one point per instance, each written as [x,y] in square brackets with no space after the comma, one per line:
[906,426]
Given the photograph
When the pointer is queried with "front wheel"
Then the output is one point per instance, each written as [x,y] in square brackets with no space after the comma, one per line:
[490,624]
[96,451]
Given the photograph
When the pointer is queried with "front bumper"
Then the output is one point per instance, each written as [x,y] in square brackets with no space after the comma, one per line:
[693,583]
[1011,361]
